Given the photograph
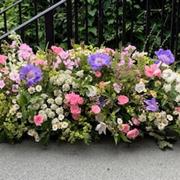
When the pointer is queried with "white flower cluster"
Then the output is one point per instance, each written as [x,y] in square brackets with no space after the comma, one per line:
[33,133]
[14,110]
[161,119]
[64,80]
[32,89]
[172,82]
[57,124]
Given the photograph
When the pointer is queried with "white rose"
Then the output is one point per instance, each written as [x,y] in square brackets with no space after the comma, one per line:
[38,88]
[58,100]
[61,117]
[167,87]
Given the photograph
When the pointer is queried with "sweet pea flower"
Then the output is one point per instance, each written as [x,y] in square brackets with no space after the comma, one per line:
[152,71]
[101,128]
[132,134]
[14,76]
[56,50]
[151,105]
[122,100]
[136,121]
[3,59]
[125,128]
[69,64]
[74,99]
[165,56]
[25,52]
[95,109]
[38,119]
[75,110]
[2,84]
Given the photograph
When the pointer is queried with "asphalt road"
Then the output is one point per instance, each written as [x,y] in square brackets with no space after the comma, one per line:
[98,161]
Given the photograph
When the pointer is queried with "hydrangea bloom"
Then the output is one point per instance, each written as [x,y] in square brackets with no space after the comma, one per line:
[31,74]
[165,56]
[99,60]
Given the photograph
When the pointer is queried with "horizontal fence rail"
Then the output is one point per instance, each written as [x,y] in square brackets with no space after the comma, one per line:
[77,12]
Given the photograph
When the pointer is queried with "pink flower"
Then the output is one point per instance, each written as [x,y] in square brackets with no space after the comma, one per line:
[57,50]
[75,110]
[132,134]
[4,70]
[95,109]
[177,109]
[125,128]
[14,76]
[2,84]
[152,71]
[109,51]
[98,74]
[64,55]
[74,99]
[40,62]
[75,116]
[122,100]
[3,59]
[69,64]
[38,120]
[135,121]
[25,52]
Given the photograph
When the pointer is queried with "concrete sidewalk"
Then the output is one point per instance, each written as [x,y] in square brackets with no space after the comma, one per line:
[99,161]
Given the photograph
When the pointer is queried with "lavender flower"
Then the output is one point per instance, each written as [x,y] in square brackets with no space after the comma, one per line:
[99,60]
[151,105]
[165,56]
[31,74]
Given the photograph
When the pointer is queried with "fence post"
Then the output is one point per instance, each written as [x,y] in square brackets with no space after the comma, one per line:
[69,22]
[100,22]
[49,28]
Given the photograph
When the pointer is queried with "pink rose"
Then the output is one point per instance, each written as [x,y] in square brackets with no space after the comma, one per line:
[135,121]
[95,109]
[152,71]
[3,59]
[125,128]
[132,134]
[75,109]
[38,120]
[177,109]
[75,116]
[98,74]
[122,100]
[57,50]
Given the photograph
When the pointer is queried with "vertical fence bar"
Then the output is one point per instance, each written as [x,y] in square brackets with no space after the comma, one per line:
[147,24]
[162,20]
[5,22]
[173,16]
[76,20]
[49,28]
[177,29]
[20,21]
[124,23]
[69,23]
[100,22]
[36,22]
[86,22]
[132,21]
[117,23]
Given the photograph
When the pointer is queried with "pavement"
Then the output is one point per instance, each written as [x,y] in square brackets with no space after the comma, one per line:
[98,161]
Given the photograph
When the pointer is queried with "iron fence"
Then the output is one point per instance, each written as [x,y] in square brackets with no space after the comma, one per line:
[124,30]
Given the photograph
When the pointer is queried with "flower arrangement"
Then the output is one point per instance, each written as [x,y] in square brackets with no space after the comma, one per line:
[88,92]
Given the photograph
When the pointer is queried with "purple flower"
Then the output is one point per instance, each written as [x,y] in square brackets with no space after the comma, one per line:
[98,60]
[165,56]
[31,74]
[151,105]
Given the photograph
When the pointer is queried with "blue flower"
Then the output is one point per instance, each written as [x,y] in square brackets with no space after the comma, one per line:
[99,60]
[165,56]
[31,74]
[151,105]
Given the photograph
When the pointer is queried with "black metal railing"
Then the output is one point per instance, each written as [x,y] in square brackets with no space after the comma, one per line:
[170,22]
